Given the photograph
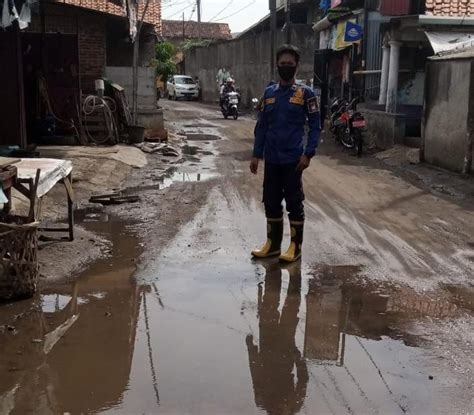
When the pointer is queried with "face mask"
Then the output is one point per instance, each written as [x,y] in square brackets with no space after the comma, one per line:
[287,73]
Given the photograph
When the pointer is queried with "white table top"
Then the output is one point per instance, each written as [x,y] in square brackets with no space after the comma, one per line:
[52,171]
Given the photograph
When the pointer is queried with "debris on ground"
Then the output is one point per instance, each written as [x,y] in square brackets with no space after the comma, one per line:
[413,156]
[164,149]
[116,198]
[156,135]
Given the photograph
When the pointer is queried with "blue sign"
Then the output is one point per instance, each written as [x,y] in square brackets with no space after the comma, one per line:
[353,33]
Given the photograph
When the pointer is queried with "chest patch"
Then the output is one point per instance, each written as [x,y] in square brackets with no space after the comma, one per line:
[298,97]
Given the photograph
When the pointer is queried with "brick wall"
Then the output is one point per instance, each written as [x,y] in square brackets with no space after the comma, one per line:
[91,31]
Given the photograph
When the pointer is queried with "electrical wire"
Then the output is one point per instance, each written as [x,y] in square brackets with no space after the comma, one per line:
[238,11]
[180,11]
[222,11]
[170,4]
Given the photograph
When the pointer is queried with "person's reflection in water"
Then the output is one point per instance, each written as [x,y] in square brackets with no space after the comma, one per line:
[278,387]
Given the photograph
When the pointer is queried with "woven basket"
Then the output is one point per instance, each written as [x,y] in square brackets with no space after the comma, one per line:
[18,259]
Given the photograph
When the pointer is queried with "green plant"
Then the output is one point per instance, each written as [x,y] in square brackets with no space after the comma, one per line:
[165,66]
[194,43]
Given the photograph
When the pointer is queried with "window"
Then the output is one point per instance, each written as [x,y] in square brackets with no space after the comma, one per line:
[184,80]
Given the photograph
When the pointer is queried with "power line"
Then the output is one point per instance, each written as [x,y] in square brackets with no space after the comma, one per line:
[171,3]
[238,11]
[223,10]
[180,11]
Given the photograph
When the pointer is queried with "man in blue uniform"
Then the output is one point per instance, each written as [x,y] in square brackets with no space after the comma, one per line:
[279,139]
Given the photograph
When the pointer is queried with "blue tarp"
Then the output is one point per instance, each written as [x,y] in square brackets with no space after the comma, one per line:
[325,5]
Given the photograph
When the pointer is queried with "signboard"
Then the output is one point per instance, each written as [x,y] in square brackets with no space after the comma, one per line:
[353,32]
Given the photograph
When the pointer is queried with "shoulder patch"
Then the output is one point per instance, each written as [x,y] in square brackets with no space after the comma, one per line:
[313,106]
[269,101]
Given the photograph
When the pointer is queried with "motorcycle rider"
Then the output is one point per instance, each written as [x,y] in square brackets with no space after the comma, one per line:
[225,89]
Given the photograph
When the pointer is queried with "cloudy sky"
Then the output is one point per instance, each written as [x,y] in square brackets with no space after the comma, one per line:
[240,14]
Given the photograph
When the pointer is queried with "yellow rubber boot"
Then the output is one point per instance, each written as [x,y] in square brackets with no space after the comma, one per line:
[293,253]
[274,237]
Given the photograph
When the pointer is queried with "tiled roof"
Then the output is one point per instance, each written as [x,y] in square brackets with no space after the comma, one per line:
[209,31]
[153,14]
[450,7]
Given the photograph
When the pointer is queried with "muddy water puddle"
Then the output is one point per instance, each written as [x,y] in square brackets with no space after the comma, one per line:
[201,329]
[204,330]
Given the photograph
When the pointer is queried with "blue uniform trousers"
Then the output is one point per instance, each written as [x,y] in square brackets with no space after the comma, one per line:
[283,182]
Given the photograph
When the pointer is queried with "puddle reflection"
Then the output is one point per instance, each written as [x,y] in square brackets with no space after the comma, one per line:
[71,347]
[279,371]
[347,329]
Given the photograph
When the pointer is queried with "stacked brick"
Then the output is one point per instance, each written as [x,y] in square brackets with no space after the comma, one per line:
[450,8]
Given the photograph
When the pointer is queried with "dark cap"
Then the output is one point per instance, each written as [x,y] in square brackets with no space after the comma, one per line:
[290,49]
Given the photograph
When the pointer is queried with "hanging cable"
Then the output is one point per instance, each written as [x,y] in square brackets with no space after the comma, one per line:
[238,11]
[180,11]
[222,11]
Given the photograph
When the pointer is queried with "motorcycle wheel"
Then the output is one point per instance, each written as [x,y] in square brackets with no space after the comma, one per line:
[236,115]
[359,142]
[347,138]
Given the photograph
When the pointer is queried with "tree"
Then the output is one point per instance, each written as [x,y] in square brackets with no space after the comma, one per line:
[164,60]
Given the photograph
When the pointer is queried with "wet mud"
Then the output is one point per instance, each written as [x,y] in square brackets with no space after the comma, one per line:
[193,326]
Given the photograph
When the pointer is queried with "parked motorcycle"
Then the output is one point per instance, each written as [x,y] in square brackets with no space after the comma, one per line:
[347,124]
[255,108]
[230,107]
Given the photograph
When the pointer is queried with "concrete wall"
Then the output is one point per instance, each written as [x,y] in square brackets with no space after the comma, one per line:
[122,75]
[449,111]
[383,130]
[248,60]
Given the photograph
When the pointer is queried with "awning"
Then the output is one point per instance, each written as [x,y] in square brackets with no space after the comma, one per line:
[332,18]
[444,42]
[322,25]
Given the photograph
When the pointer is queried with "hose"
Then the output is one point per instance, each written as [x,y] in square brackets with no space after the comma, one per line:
[106,107]
[43,90]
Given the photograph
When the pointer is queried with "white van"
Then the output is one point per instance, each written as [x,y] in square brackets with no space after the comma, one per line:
[182,86]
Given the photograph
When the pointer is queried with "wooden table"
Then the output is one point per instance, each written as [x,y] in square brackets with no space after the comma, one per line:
[35,178]
[8,179]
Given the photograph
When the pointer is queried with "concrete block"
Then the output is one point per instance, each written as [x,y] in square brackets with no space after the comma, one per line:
[413,156]
[151,119]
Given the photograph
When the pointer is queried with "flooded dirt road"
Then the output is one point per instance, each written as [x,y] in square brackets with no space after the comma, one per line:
[177,319]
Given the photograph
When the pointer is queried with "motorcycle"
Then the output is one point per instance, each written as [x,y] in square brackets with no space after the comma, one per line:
[255,108]
[230,107]
[347,124]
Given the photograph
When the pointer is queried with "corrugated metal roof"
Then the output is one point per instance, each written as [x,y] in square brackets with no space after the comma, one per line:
[465,54]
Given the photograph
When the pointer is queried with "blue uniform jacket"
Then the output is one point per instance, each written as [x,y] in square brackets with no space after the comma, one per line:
[280,130]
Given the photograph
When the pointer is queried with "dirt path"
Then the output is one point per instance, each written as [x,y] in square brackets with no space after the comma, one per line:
[178,320]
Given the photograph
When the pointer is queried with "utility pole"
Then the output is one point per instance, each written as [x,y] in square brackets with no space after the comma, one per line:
[273,24]
[184,29]
[198,4]
[136,51]
[288,21]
